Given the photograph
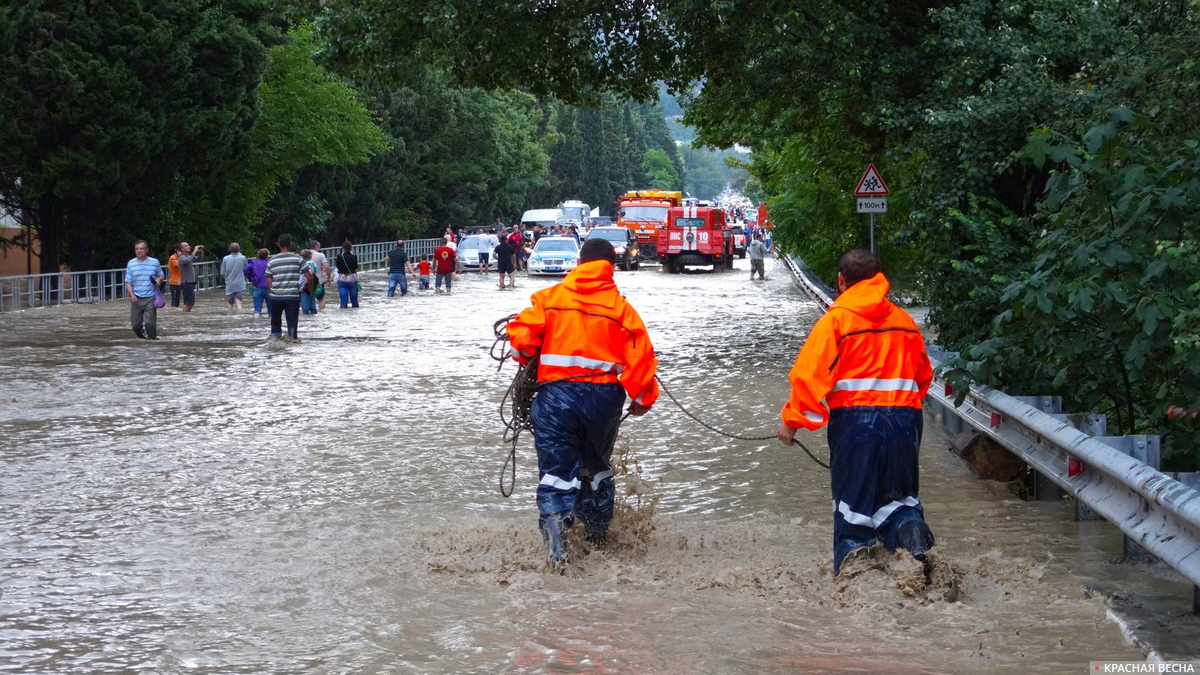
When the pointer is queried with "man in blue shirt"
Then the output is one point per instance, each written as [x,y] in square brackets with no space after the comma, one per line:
[141,273]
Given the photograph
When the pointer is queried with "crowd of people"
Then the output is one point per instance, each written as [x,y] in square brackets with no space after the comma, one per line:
[293,282]
[281,286]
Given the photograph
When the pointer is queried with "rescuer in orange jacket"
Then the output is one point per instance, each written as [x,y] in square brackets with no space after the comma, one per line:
[864,370]
[591,349]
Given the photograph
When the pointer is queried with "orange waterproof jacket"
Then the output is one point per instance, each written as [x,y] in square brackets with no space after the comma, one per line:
[173,270]
[586,331]
[865,351]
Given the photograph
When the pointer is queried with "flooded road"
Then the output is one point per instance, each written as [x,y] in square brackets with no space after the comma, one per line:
[213,504]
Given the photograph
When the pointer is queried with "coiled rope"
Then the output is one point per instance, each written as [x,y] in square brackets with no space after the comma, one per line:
[517,404]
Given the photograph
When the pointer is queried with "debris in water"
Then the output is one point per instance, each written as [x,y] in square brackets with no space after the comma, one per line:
[513,550]
[870,575]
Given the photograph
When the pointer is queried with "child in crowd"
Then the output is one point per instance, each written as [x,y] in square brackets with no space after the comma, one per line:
[423,268]
[308,270]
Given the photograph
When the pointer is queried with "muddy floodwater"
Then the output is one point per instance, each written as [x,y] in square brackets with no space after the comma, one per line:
[210,503]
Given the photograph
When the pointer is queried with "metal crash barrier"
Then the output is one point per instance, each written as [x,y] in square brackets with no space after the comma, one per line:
[816,290]
[63,288]
[1114,477]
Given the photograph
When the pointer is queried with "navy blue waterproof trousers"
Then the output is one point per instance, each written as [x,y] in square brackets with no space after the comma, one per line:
[873,465]
[574,428]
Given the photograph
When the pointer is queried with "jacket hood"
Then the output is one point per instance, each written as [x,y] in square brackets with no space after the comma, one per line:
[593,279]
[867,298]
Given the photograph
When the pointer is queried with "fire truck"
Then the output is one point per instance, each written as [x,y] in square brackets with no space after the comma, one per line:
[695,235]
[644,212]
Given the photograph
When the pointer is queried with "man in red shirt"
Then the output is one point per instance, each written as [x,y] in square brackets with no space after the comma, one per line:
[447,264]
[517,239]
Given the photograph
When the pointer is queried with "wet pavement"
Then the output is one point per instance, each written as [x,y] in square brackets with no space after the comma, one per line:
[210,503]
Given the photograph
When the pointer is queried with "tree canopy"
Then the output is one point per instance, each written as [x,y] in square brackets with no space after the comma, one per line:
[1038,150]
[1041,152]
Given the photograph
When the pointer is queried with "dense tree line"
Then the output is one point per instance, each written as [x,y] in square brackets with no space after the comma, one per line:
[465,156]
[1043,155]
[227,120]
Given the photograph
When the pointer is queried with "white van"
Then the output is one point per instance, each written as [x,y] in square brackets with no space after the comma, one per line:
[545,217]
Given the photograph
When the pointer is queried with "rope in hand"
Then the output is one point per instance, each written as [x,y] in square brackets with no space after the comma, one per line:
[517,403]
[697,420]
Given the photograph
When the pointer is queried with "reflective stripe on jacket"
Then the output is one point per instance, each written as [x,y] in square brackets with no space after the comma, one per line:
[586,331]
[865,351]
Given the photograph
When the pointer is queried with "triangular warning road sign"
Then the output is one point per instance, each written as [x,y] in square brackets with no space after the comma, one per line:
[871,184]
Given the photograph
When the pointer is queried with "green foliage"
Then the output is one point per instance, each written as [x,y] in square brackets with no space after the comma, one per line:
[571,50]
[464,156]
[457,157]
[117,116]
[309,116]
[1106,314]
[708,170]
[754,190]
[660,170]
[604,152]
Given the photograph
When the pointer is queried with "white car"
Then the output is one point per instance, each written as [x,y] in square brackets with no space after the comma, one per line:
[468,251]
[554,255]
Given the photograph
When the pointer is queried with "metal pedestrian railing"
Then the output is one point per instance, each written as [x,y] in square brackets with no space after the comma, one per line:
[1113,477]
[64,288]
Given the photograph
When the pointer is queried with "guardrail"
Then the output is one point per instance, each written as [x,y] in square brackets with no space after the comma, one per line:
[1115,477]
[62,288]
[816,290]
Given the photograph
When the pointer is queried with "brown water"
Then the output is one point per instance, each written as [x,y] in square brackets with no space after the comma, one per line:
[212,504]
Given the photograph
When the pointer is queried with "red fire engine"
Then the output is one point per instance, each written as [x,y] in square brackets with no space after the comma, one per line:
[644,212]
[695,235]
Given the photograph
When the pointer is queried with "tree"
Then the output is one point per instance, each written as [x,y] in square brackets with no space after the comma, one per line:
[705,176]
[309,116]
[634,146]
[660,170]
[457,156]
[595,157]
[754,190]
[1098,316]
[115,113]
[574,50]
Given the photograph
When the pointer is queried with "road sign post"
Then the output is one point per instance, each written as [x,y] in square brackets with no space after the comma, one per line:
[872,193]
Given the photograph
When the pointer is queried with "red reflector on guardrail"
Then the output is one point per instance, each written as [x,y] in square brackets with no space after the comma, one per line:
[948,391]
[997,419]
[1074,467]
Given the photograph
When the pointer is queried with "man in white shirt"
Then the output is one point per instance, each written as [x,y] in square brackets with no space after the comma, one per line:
[324,272]
[487,243]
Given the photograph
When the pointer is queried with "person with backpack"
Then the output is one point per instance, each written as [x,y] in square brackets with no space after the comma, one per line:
[347,275]
[310,280]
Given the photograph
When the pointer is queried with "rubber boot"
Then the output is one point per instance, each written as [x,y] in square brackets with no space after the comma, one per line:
[554,533]
[595,509]
[596,536]
[915,537]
